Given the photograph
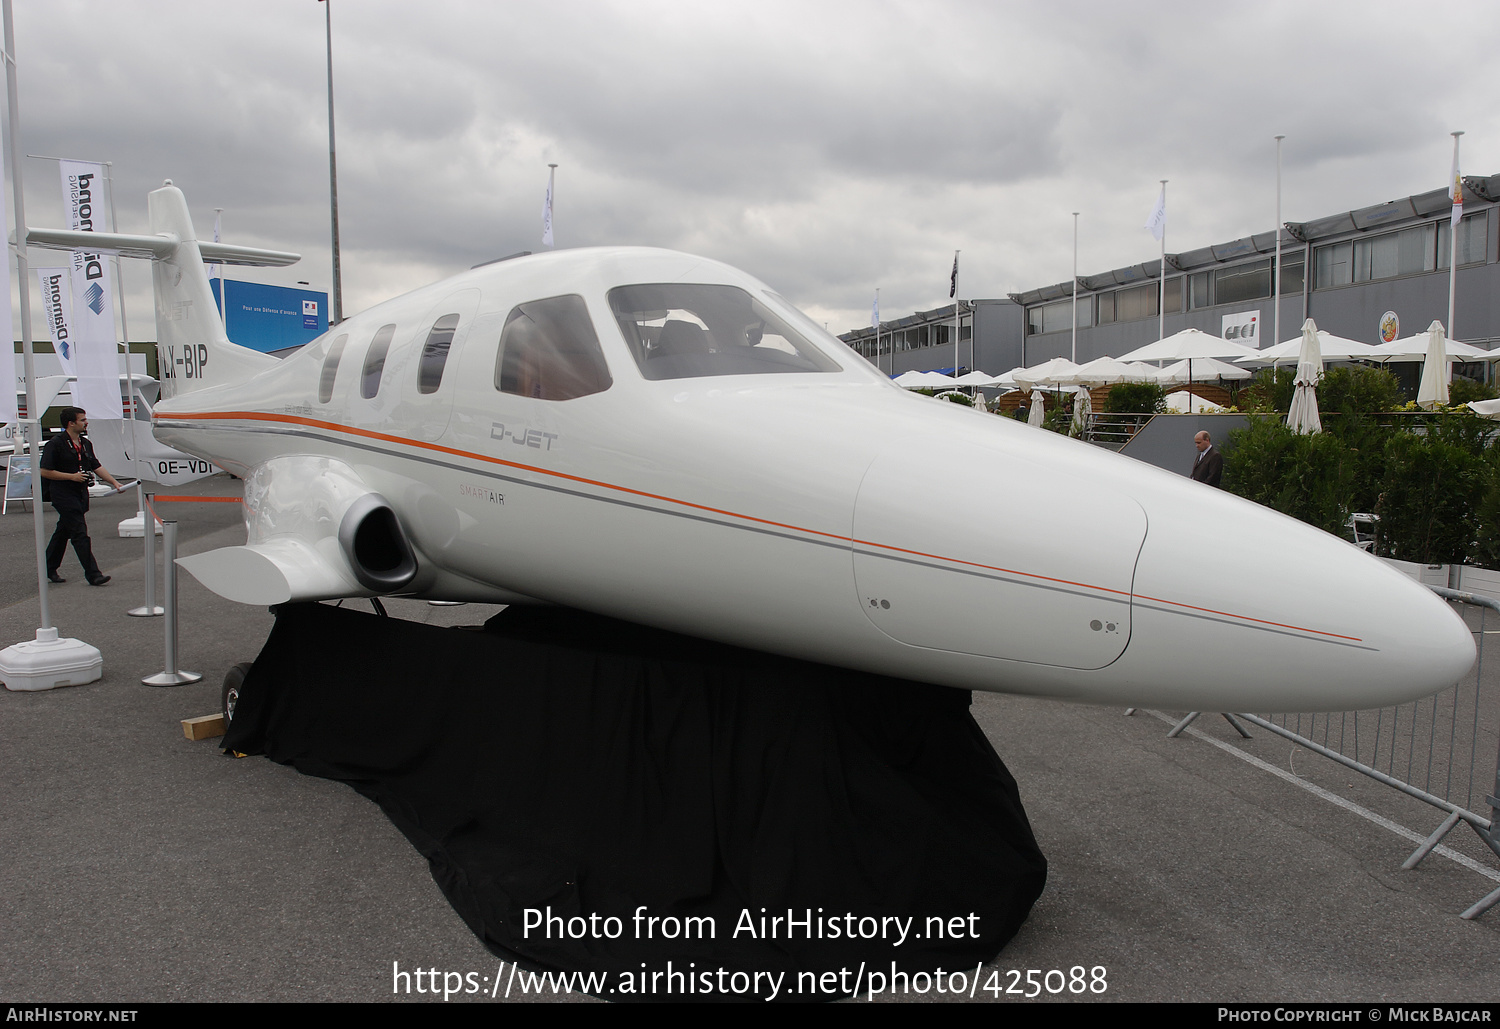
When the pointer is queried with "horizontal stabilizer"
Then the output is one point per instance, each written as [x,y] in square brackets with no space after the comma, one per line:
[275,572]
[161,245]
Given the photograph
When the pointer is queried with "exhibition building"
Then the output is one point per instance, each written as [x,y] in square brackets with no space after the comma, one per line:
[1348,271]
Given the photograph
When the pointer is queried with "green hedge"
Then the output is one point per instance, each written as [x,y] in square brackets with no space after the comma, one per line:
[1434,481]
[1136,398]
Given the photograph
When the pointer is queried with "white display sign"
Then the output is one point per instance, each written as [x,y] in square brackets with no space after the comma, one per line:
[1243,328]
[95,344]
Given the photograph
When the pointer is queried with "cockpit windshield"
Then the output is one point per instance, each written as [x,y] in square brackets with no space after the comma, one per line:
[686,330]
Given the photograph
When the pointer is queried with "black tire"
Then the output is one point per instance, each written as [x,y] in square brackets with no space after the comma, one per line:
[230,695]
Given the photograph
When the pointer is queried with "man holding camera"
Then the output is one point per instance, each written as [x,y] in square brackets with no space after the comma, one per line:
[68,465]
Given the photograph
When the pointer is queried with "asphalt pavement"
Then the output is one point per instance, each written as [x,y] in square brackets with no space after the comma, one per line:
[138,866]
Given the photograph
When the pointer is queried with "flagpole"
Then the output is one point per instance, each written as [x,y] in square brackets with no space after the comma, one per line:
[956,343]
[1456,188]
[547,236]
[1161,301]
[336,314]
[1276,303]
[33,423]
[1074,358]
[223,311]
[109,192]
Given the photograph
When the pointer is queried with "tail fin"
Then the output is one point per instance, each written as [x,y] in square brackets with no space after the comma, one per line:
[192,350]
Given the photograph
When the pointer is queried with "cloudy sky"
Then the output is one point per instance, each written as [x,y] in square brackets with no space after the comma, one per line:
[826,147]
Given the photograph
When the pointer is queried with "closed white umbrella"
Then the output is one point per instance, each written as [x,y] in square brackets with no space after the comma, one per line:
[1083,412]
[1433,392]
[1303,415]
[1038,413]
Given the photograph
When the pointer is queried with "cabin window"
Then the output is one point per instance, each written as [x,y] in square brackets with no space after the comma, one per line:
[331,369]
[549,350]
[369,381]
[685,330]
[435,353]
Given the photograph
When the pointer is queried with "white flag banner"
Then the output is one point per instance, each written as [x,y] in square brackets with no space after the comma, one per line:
[54,284]
[96,346]
[1456,191]
[875,313]
[547,212]
[1156,221]
[9,408]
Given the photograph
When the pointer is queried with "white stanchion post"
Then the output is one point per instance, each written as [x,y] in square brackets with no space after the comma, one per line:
[172,675]
[149,609]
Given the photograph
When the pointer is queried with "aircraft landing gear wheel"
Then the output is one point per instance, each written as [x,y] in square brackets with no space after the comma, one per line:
[230,696]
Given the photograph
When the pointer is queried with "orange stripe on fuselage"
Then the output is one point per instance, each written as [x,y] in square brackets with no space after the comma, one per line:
[263,416]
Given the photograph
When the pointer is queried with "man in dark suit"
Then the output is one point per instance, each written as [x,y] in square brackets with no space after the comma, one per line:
[1208,467]
[68,465]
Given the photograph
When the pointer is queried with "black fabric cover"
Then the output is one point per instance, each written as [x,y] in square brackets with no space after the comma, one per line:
[559,760]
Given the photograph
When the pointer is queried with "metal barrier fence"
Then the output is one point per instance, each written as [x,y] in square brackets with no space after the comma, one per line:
[1442,750]
[1113,431]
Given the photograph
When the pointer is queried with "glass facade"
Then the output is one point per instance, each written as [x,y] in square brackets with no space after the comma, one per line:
[1410,251]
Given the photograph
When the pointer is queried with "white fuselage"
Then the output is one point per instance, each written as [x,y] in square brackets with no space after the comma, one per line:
[826,515]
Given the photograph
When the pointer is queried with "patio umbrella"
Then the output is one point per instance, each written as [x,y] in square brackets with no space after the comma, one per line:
[1188,345]
[1185,402]
[1047,373]
[1203,370]
[1303,415]
[910,380]
[1435,371]
[1333,348]
[1038,412]
[1103,371]
[1146,372]
[1415,347]
[975,378]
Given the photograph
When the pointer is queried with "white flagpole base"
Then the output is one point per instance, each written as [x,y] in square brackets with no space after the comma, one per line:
[48,662]
[177,678]
[133,528]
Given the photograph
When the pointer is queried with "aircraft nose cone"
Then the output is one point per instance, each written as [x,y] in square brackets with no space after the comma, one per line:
[1284,617]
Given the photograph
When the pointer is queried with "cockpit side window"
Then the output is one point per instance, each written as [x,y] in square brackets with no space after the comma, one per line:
[331,369]
[369,381]
[549,350]
[683,330]
[435,353]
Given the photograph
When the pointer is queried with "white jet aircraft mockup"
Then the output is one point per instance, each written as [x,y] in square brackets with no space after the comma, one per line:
[661,438]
